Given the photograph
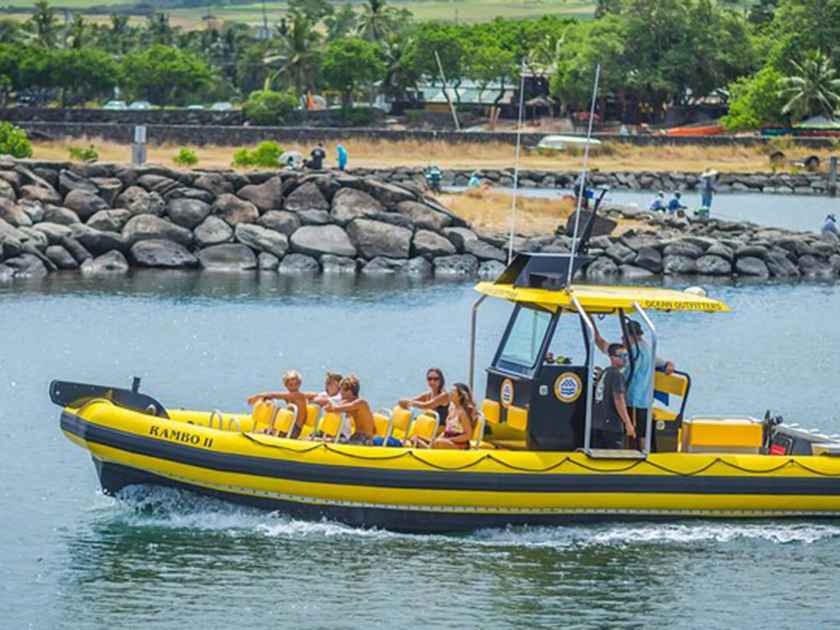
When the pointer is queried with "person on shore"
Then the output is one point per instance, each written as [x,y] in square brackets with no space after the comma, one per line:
[436,398]
[610,418]
[830,226]
[658,203]
[460,421]
[318,155]
[707,188]
[341,156]
[676,203]
[583,191]
[475,180]
[292,381]
[356,408]
[433,178]
[638,376]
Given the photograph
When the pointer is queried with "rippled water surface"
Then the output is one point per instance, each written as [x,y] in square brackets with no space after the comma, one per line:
[72,558]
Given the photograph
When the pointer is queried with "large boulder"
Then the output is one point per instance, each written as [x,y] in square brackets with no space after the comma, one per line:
[234,210]
[78,251]
[155,182]
[108,263]
[84,203]
[187,212]
[144,227]
[314,217]
[649,258]
[459,236]
[338,264]
[214,183]
[675,264]
[97,241]
[162,253]
[227,257]
[424,217]
[349,204]
[27,266]
[307,196]
[490,270]
[780,266]
[266,196]
[382,265]
[682,248]
[7,191]
[137,200]
[752,266]
[213,231]
[327,239]
[298,263]
[620,253]
[389,195]
[280,221]
[483,250]
[817,268]
[267,262]
[57,214]
[374,238]
[602,267]
[110,220]
[632,273]
[54,232]
[61,258]
[68,181]
[456,267]
[429,244]
[33,209]
[13,214]
[108,188]
[711,265]
[262,239]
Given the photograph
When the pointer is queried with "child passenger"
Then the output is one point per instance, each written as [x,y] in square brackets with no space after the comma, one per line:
[330,393]
[356,408]
[292,380]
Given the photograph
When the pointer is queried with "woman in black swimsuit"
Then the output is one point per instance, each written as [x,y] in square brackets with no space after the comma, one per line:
[435,399]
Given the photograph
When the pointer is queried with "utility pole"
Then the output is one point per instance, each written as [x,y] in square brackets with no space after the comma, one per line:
[446,93]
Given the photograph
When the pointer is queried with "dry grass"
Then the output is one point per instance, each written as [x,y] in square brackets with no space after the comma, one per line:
[493,155]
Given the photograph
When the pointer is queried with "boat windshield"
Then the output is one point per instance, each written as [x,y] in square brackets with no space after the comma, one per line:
[522,346]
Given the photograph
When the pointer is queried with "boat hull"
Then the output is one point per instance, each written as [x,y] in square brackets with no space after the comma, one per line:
[430,491]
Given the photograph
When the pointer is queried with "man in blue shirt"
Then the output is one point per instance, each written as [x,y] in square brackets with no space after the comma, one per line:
[639,376]
[830,226]
[676,203]
[658,203]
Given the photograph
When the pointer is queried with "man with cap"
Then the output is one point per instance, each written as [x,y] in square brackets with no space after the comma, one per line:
[707,187]
[639,376]
[830,226]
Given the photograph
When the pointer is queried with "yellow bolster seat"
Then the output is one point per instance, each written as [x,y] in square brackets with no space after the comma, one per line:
[491,410]
[722,435]
[263,415]
[517,417]
[401,422]
[284,421]
[382,425]
[425,427]
[330,425]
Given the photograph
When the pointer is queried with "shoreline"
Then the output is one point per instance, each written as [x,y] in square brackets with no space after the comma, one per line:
[107,219]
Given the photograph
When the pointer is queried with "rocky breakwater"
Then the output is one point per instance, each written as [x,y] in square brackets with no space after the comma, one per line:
[109,218]
[678,246]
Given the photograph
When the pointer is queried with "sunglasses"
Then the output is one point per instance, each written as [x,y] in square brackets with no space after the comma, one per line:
[622,355]
[432,378]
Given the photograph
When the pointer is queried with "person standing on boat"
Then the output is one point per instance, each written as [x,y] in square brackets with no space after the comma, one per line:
[638,375]
[610,418]
[435,399]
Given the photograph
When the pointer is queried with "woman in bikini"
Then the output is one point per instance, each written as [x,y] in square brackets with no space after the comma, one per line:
[435,399]
[461,420]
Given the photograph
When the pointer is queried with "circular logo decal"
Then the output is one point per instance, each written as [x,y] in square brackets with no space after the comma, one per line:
[506,393]
[660,425]
[568,387]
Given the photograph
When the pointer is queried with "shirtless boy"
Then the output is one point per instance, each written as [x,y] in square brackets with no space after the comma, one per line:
[292,381]
[355,407]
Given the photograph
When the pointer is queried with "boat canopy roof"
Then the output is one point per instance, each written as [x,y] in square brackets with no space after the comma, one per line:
[604,299]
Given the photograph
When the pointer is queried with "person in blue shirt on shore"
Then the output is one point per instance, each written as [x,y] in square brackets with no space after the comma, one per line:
[342,157]
[676,203]
[830,226]
[639,375]
[658,203]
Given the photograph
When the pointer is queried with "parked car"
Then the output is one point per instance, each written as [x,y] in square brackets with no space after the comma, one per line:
[115,105]
[221,106]
[140,105]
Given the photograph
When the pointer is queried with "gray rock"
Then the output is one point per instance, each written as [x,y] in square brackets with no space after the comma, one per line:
[460,236]
[186,212]
[13,179]
[161,253]
[69,181]
[76,249]
[338,264]
[711,265]
[266,196]
[6,273]
[54,232]
[262,239]
[349,204]
[719,249]
[108,188]
[327,239]
[97,242]
[389,195]
[227,257]
[57,214]
[630,272]
[620,253]
[234,210]
[431,245]
[143,227]
[418,267]
[490,269]
[280,221]
[13,214]
[650,259]
[61,258]
[267,262]
[755,251]
[34,238]
[382,265]
[483,250]
[751,266]
[813,267]
[84,204]
[214,183]
[457,266]
[7,191]
[374,238]
[33,209]
[834,261]
[137,201]
[682,248]
[675,264]
[110,220]
[307,196]
[160,184]
[298,263]
[108,263]
[314,217]
[780,265]
[423,217]
[602,267]
[213,231]
[27,266]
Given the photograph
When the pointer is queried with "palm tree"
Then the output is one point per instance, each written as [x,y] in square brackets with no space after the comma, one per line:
[399,76]
[340,22]
[158,29]
[377,20]
[44,24]
[77,32]
[295,57]
[119,34]
[814,89]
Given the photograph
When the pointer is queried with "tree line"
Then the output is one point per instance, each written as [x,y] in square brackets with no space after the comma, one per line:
[773,62]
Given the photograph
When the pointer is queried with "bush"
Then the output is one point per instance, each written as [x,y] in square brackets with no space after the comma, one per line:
[14,141]
[186,157]
[267,107]
[82,154]
[266,154]
[356,116]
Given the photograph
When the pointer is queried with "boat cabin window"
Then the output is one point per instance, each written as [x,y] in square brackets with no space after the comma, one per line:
[523,345]
[568,343]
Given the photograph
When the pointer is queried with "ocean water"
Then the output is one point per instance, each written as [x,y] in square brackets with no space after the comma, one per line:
[160,558]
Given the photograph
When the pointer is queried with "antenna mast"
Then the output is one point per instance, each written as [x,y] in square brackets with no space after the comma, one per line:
[516,164]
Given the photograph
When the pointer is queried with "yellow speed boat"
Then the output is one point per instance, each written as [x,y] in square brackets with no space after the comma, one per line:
[531,459]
